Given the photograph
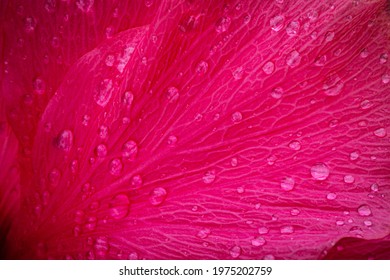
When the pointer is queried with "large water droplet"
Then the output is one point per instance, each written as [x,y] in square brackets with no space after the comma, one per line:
[293,28]
[364,210]
[119,206]
[130,150]
[104,92]
[295,145]
[203,233]
[293,59]
[277,92]
[116,167]
[269,68]
[287,183]
[235,251]
[287,229]
[380,132]
[101,151]
[222,24]
[276,23]
[236,117]
[84,5]
[319,171]
[64,140]
[157,196]
[209,177]
[259,241]
[349,179]
[333,85]
[39,86]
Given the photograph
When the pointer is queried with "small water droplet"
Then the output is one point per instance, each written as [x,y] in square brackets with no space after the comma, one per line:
[320,61]
[364,210]
[287,229]
[339,223]
[172,140]
[385,78]
[271,160]
[295,145]
[136,181]
[203,233]
[380,132]
[133,256]
[194,208]
[209,177]
[263,230]
[84,5]
[222,24]
[116,167]
[269,257]
[157,196]
[287,184]
[366,104]
[293,59]
[236,117]
[101,151]
[295,212]
[29,24]
[79,217]
[333,85]
[55,42]
[269,67]
[364,53]
[86,119]
[119,206]
[277,92]
[234,162]
[172,94]
[64,140]
[54,177]
[319,171]
[128,98]
[91,223]
[312,15]
[50,6]
[240,190]
[103,132]
[331,196]
[349,179]
[235,251]
[259,241]
[130,150]
[276,23]
[201,68]
[110,59]
[329,36]
[383,58]
[374,187]
[39,86]
[104,92]
[101,247]
[293,28]
[238,73]
[354,155]
[367,223]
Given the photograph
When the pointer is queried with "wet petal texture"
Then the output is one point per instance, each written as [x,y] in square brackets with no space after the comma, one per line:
[201,130]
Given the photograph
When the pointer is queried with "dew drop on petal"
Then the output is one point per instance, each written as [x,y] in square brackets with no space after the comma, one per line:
[287,184]
[295,145]
[295,212]
[385,78]
[277,23]
[269,257]
[329,36]
[374,187]
[364,210]
[203,233]
[354,155]
[383,58]
[238,73]
[312,15]
[235,251]
[119,206]
[101,151]
[172,94]
[269,67]
[366,104]
[331,196]
[367,223]
[292,28]
[136,181]
[64,140]
[259,241]
[84,5]
[349,179]
[293,59]
[333,85]
[319,171]
[321,60]
[202,68]
[110,59]
[364,53]
[222,24]
[287,229]
[130,150]
[339,223]
[236,117]
[263,230]
[277,92]
[104,92]
[39,86]
[29,24]
[103,132]
[172,140]
[157,196]
[234,162]
[209,177]
[116,167]
[380,132]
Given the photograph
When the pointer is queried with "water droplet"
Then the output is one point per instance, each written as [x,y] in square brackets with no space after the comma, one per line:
[364,210]
[64,140]
[54,177]
[263,230]
[354,155]
[383,58]
[101,247]
[293,28]
[366,104]
[367,223]
[236,117]
[364,53]
[91,223]
[101,151]
[329,36]
[234,162]
[148,3]
[209,177]
[172,140]
[319,171]
[287,229]
[240,190]
[293,59]
[312,15]
[203,233]
[39,86]
[119,206]
[321,60]
[259,241]
[331,196]
[287,184]
[116,167]
[269,257]
[238,73]
[110,59]
[380,132]
[374,187]
[222,24]
[129,150]
[133,256]
[86,119]
[333,85]
[235,251]
[271,160]
[194,208]
[50,5]
[385,78]
[103,132]
[276,23]
[295,145]
[104,92]
[29,24]
[136,181]
[349,179]
[79,217]
[295,212]
[84,5]
[340,223]
[157,196]
[202,68]
[277,92]
[172,94]
[269,68]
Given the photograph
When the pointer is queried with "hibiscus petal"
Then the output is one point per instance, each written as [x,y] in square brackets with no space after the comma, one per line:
[219,132]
